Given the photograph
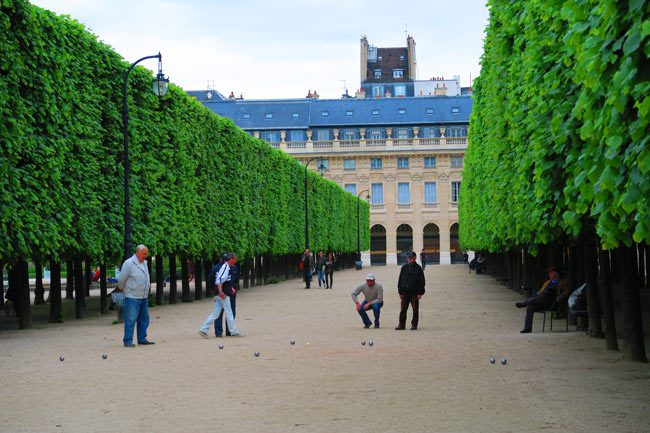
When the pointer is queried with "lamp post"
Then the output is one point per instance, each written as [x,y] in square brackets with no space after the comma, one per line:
[160,85]
[321,171]
[358,225]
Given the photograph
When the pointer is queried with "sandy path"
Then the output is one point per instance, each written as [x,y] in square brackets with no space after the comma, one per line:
[436,379]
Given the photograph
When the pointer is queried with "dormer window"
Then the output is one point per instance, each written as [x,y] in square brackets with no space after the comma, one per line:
[398,73]
[268,116]
[455,110]
[378,73]
[247,116]
[324,113]
[295,115]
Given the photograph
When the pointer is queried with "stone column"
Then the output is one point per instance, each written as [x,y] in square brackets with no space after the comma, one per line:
[391,244]
[416,138]
[283,136]
[256,134]
[444,197]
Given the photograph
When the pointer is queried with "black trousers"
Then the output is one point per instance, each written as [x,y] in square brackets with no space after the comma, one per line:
[404,305]
[329,281]
[534,304]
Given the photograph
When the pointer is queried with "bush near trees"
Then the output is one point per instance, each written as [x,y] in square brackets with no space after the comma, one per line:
[558,163]
[199,185]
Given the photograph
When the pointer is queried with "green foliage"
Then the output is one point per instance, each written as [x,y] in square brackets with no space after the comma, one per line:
[559,131]
[199,184]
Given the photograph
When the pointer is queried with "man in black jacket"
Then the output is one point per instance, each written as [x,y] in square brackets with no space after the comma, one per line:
[411,288]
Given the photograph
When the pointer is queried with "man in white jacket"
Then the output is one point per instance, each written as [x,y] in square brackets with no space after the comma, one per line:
[134,281]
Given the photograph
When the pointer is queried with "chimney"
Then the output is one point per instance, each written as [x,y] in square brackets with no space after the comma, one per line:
[360,94]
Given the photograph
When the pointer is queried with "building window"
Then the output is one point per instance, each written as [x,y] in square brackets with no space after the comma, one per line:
[349,164]
[456,131]
[295,115]
[372,53]
[324,163]
[375,112]
[400,90]
[377,91]
[271,136]
[269,116]
[429,111]
[378,73]
[401,133]
[456,161]
[401,111]
[403,193]
[349,113]
[403,162]
[401,57]
[375,134]
[322,134]
[455,191]
[429,162]
[324,113]
[351,188]
[430,195]
[349,134]
[455,110]
[298,135]
[398,73]
[377,193]
[376,163]
[430,132]
[246,116]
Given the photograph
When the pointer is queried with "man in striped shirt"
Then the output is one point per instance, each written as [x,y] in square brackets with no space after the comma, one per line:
[225,289]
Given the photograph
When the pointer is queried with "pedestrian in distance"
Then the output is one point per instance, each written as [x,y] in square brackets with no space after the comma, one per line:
[222,300]
[410,287]
[373,294]
[329,270]
[320,268]
[308,267]
[135,282]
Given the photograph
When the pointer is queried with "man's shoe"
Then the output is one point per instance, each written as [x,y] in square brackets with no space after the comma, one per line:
[147,343]
[203,334]
[414,328]
[526,331]
[236,334]
[129,345]
[399,328]
[366,326]
[520,304]
[376,325]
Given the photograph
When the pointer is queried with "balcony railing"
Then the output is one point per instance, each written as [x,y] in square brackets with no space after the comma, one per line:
[321,146]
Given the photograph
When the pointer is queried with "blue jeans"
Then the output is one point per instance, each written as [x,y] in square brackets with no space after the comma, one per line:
[218,324]
[135,311]
[321,277]
[219,305]
[375,309]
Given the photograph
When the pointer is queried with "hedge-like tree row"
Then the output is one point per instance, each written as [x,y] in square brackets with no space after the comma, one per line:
[199,184]
[559,144]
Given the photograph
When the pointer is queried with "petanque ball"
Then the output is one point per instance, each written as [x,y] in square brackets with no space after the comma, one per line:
[504,361]
[492,360]
[293,342]
[61,358]
[104,355]
[370,343]
[257,354]
[363,343]
[221,347]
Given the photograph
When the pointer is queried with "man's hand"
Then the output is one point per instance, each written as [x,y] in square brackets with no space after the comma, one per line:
[401,296]
[419,296]
[221,295]
[367,307]
[358,306]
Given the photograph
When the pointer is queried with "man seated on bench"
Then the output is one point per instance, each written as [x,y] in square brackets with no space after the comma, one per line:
[553,289]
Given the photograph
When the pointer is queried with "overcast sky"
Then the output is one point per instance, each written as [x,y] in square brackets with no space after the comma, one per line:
[282,48]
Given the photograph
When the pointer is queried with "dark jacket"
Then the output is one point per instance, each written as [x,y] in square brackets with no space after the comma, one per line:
[411,280]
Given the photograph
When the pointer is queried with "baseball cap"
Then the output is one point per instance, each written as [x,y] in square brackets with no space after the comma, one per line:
[370,277]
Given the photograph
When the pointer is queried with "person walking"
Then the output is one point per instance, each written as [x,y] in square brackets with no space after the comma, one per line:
[423,258]
[374,299]
[234,280]
[308,266]
[410,287]
[222,300]
[329,270]
[135,282]
[320,268]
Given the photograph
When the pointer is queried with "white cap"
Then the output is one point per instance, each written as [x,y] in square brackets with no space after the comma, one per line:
[370,277]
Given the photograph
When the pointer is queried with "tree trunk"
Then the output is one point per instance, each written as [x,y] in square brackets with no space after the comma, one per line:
[2,285]
[160,280]
[79,289]
[606,300]
[55,292]
[103,289]
[39,290]
[590,261]
[647,265]
[88,277]
[172,279]
[245,269]
[198,279]
[631,301]
[69,279]
[19,293]
[209,285]
[185,280]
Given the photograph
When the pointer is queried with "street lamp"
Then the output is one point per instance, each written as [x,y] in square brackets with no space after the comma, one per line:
[321,171]
[160,85]
[358,225]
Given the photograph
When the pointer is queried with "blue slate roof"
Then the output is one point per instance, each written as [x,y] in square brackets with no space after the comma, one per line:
[309,113]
